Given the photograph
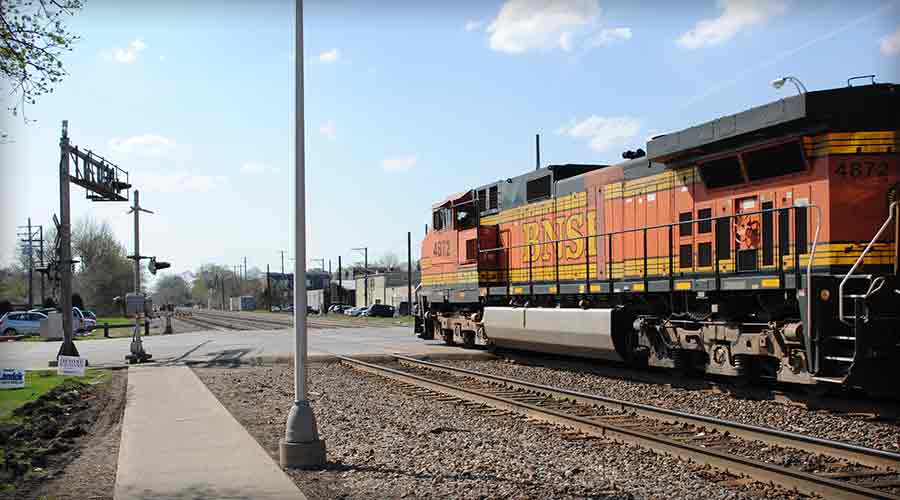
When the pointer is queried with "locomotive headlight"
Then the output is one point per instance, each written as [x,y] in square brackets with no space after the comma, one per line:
[825,295]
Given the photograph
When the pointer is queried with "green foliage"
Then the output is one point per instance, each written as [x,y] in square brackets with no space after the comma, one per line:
[32,39]
[38,383]
[171,289]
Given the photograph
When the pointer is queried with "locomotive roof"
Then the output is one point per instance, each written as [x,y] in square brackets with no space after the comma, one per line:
[866,107]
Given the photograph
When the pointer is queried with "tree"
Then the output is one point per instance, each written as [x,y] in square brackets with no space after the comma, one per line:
[104,270]
[32,40]
[171,289]
[389,260]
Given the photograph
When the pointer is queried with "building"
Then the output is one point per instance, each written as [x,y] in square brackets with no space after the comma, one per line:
[385,288]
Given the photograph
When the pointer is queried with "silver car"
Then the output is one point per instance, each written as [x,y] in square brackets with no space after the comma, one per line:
[21,323]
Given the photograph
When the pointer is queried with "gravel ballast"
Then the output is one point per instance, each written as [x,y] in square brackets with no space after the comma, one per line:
[853,429]
[383,442]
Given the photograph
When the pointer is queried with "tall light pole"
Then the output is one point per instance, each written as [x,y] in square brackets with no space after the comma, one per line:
[365,251]
[301,446]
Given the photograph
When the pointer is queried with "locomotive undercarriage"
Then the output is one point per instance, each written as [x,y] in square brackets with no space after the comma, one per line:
[754,336]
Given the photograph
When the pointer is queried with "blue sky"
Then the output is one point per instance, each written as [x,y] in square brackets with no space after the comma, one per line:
[405,104]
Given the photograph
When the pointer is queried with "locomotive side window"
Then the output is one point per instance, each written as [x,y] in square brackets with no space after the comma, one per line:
[482,200]
[704,254]
[685,256]
[723,239]
[493,198]
[800,230]
[784,228]
[775,161]
[465,219]
[537,189]
[704,226]
[722,172]
[768,234]
[684,229]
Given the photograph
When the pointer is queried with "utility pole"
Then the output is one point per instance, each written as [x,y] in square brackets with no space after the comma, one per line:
[340,281]
[282,262]
[28,243]
[65,247]
[301,446]
[409,300]
[365,274]
[245,269]
[43,298]
[268,290]
[136,209]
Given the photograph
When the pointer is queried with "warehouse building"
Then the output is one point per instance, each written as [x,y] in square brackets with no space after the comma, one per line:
[385,288]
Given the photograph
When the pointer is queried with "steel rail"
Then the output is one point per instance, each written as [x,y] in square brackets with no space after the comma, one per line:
[761,471]
[866,456]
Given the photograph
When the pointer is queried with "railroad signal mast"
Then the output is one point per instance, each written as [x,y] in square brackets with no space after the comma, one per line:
[102,181]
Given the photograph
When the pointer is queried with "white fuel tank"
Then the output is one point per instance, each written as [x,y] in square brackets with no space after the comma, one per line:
[575,332]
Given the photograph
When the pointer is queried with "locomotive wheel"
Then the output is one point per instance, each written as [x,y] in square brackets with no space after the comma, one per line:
[447,335]
[468,339]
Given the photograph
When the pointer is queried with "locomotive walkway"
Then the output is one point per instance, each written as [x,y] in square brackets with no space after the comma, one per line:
[179,442]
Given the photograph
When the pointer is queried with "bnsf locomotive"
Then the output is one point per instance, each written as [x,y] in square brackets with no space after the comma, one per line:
[760,244]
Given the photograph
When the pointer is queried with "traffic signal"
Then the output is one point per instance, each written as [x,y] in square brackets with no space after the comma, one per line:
[156,266]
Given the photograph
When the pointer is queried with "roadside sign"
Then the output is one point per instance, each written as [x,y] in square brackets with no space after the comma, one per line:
[12,378]
[71,365]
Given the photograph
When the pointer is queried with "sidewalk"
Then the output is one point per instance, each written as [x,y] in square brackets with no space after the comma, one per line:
[179,442]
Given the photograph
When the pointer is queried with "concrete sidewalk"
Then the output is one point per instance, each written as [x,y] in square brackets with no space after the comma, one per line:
[179,442]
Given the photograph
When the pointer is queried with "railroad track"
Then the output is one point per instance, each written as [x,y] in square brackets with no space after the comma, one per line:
[762,389]
[250,321]
[827,468]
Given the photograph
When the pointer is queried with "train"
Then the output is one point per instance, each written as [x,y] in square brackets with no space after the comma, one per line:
[759,245]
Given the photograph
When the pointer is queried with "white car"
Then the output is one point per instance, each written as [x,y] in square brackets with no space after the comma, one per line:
[21,323]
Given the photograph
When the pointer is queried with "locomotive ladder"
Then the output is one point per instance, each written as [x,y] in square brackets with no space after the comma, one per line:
[856,321]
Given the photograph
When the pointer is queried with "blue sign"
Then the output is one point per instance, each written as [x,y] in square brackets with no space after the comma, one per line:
[12,378]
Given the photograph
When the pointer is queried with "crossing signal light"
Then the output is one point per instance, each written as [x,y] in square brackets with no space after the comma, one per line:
[156,266]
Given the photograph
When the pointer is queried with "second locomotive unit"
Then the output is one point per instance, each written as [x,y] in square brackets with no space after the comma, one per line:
[760,244]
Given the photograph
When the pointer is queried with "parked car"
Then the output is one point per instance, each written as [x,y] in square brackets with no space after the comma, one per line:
[379,311]
[276,309]
[311,310]
[21,323]
[338,308]
[354,311]
[80,321]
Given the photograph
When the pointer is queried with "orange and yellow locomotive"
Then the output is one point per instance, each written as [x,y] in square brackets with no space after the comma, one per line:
[760,244]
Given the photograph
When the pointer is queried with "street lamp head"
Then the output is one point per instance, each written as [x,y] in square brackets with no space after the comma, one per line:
[779,82]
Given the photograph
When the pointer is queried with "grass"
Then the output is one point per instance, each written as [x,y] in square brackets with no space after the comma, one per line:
[114,320]
[38,383]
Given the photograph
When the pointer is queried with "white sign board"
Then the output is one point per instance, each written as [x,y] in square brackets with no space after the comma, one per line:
[12,378]
[71,365]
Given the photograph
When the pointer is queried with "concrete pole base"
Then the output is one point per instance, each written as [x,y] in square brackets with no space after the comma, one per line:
[67,348]
[301,446]
[302,455]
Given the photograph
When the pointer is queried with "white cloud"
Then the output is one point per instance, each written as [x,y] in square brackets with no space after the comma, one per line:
[603,132]
[400,163]
[254,167]
[148,144]
[736,16]
[129,54]
[890,44]
[328,129]
[330,56]
[523,25]
[610,35]
[474,24]
[179,182]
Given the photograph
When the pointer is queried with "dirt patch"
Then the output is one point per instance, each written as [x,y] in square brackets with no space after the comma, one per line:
[67,444]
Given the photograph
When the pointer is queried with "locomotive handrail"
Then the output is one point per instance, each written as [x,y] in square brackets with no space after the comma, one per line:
[891,211]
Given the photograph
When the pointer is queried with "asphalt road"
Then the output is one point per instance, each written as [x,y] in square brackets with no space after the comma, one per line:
[227,346]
